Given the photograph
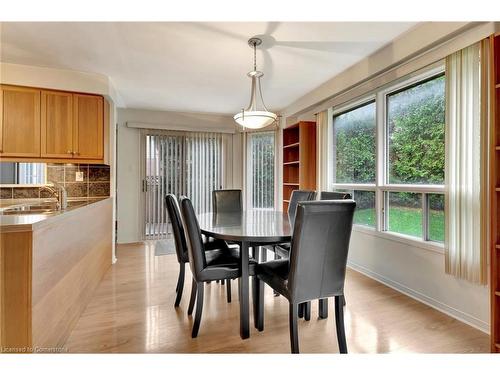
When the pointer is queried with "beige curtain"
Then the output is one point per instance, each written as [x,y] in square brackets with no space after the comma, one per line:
[322,150]
[466,164]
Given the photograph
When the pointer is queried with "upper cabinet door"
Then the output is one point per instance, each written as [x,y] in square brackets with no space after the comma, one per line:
[88,129]
[57,124]
[19,122]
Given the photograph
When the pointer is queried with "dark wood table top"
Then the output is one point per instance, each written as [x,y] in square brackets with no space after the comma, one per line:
[256,226]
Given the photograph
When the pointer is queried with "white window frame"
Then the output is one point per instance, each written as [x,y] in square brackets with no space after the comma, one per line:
[249,169]
[381,187]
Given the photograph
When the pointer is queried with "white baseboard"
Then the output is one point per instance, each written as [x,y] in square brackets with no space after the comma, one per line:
[448,310]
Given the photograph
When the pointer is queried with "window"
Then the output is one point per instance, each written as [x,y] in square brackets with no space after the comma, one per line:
[261,152]
[354,158]
[354,145]
[388,151]
[415,126]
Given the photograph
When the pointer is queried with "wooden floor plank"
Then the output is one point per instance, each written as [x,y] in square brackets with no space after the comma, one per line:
[133,312]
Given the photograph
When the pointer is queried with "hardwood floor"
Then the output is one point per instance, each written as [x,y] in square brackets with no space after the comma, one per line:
[133,312]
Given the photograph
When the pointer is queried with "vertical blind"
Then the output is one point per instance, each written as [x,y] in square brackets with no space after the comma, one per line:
[187,164]
[262,156]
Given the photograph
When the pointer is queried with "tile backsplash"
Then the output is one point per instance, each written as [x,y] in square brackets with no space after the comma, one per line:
[95,183]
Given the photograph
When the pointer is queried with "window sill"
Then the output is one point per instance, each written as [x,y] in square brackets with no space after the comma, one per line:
[407,240]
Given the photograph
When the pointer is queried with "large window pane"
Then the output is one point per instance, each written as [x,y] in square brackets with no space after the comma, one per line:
[365,208]
[262,167]
[405,213]
[415,120]
[354,145]
[436,217]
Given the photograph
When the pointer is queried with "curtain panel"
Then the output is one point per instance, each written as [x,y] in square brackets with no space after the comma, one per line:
[322,121]
[466,164]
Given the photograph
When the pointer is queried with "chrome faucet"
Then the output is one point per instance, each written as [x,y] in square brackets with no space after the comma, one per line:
[58,192]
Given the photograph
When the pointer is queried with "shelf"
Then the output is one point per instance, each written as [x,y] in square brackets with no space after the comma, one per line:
[497,247]
[295,162]
[291,183]
[497,293]
[497,345]
[497,86]
[286,201]
[497,148]
[296,144]
[497,189]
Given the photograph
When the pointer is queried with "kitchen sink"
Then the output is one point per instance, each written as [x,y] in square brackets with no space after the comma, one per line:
[45,208]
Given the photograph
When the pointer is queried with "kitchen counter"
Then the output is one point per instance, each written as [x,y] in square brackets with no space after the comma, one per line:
[50,265]
[22,222]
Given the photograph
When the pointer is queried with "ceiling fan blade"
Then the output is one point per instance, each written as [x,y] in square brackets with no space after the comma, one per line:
[340,47]
[271,27]
[268,66]
[207,27]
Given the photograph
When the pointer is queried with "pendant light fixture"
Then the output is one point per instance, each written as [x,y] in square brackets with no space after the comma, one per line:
[255,117]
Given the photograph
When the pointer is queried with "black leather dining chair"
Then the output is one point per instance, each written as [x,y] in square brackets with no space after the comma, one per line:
[333,195]
[326,196]
[181,249]
[227,201]
[297,196]
[282,250]
[317,265]
[206,266]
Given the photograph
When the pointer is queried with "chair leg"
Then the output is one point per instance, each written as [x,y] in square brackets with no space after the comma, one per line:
[258,303]
[180,284]
[294,333]
[222,282]
[300,312]
[194,288]
[343,300]
[199,309]
[307,311]
[276,256]
[228,290]
[339,324]
[323,308]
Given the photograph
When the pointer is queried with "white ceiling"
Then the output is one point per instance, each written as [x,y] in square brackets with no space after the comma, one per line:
[199,67]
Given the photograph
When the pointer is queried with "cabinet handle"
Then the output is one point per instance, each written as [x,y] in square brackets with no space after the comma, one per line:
[69,152]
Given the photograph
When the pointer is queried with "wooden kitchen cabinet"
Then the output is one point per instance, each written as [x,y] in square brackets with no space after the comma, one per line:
[19,122]
[88,126]
[38,125]
[57,124]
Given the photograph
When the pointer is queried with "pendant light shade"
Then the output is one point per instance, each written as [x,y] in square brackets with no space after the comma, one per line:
[255,119]
[255,116]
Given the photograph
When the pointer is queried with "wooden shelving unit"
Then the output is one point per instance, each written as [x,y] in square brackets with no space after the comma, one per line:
[299,159]
[495,195]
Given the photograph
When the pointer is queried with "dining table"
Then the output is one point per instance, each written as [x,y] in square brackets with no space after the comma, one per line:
[248,229]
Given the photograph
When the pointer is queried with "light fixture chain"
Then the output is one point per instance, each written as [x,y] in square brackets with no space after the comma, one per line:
[254,56]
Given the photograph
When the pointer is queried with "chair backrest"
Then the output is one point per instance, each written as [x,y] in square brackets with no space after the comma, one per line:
[196,250]
[320,243]
[296,197]
[179,235]
[227,201]
[332,195]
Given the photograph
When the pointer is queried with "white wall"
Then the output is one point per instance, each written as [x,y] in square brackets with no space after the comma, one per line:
[413,270]
[129,186]
[419,273]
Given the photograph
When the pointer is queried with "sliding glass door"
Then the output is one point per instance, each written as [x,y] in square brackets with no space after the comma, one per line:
[180,163]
